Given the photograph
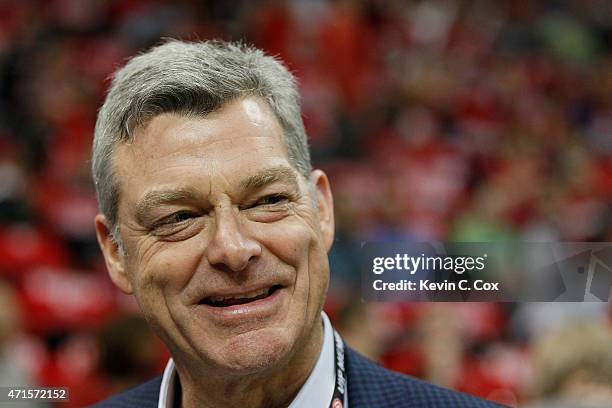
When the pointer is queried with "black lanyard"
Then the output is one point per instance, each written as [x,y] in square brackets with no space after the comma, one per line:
[337,400]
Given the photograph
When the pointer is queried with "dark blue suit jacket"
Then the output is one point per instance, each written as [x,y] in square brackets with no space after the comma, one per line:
[369,386]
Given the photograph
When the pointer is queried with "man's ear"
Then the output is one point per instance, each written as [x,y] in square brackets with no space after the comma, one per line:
[325,202]
[113,256]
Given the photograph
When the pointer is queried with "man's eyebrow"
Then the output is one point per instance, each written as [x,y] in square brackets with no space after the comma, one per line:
[156,198]
[266,177]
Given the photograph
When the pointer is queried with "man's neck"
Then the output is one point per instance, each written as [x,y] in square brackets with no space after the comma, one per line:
[272,388]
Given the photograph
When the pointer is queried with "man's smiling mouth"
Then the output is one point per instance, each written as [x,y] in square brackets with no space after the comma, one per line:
[239,299]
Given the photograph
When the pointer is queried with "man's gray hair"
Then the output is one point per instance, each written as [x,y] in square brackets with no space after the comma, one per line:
[190,79]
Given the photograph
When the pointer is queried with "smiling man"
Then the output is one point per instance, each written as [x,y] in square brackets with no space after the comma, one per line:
[212,217]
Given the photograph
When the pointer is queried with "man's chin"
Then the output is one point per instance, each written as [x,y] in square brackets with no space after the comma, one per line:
[255,351]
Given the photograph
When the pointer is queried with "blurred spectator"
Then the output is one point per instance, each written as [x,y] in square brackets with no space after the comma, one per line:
[573,367]
[12,372]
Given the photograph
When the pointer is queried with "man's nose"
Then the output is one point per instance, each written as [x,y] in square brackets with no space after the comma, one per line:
[230,246]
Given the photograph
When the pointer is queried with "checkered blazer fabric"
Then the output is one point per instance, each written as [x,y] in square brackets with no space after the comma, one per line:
[369,386]
[143,396]
[372,386]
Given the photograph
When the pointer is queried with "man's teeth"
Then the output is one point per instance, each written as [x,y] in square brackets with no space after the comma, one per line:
[246,296]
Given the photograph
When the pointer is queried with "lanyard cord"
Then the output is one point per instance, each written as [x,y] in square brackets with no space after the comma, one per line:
[337,400]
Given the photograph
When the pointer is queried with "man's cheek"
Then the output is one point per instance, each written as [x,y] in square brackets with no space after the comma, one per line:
[149,299]
[169,268]
[150,285]
[155,308]
[319,268]
[289,242]
[312,269]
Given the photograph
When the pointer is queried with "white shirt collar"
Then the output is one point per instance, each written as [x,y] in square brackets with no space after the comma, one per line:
[317,391]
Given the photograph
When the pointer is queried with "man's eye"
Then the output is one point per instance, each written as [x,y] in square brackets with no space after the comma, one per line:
[178,226]
[178,218]
[272,199]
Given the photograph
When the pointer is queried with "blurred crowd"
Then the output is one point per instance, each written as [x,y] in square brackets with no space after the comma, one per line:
[456,120]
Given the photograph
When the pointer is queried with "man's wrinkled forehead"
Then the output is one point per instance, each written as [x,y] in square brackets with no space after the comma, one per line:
[252,110]
[215,138]
[254,107]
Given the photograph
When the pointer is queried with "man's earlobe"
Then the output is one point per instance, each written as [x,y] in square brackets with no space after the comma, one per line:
[325,202]
[113,256]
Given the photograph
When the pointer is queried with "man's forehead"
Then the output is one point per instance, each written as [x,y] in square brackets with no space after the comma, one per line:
[244,113]
[213,137]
